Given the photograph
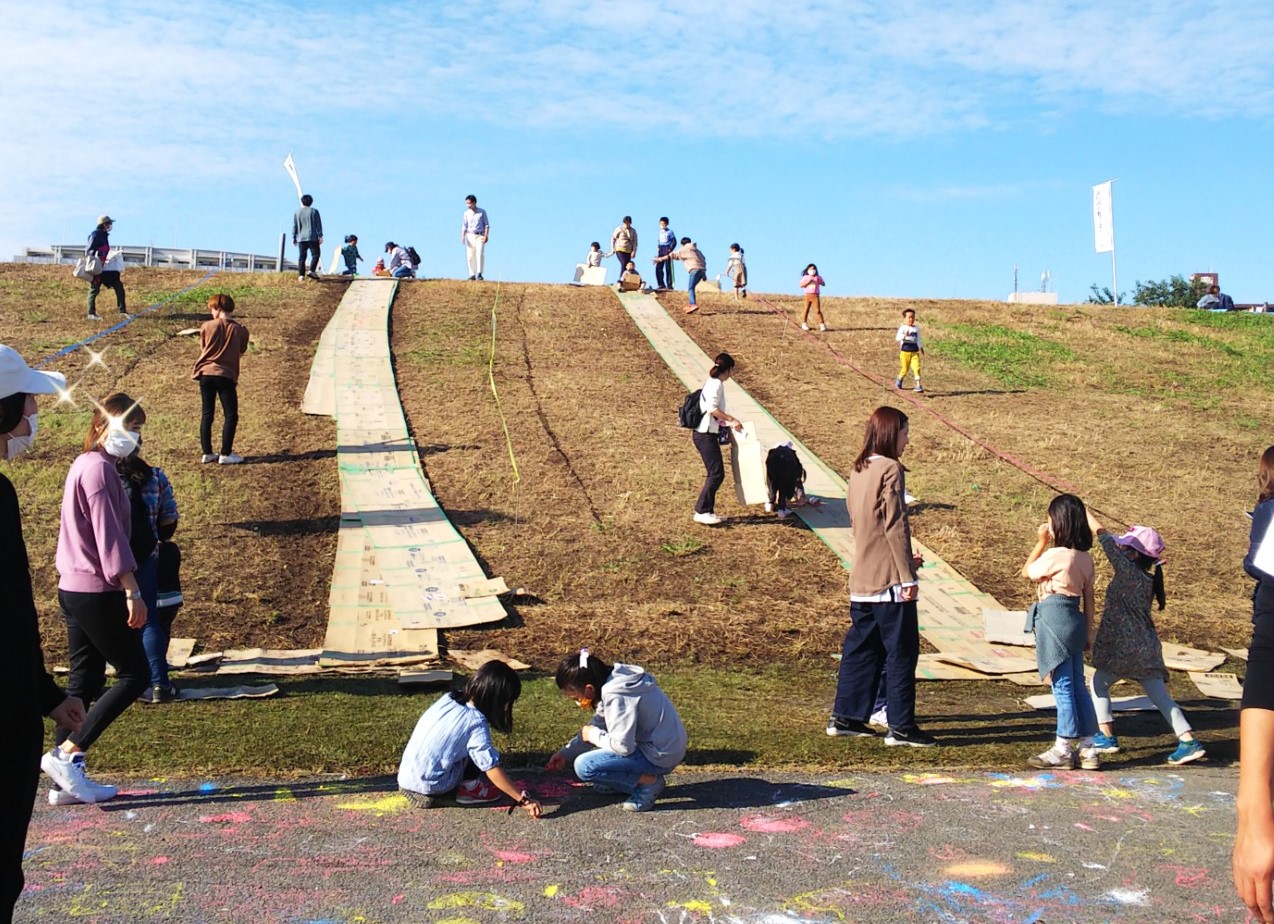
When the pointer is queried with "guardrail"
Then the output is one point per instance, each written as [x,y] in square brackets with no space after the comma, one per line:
[163,257]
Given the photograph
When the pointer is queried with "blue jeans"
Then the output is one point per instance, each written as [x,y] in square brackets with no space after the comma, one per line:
[1076,716]
[154,633]
[696,277]
[403,272]
[610,769]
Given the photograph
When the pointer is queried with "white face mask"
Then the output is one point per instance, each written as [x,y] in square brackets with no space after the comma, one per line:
[20,444]
[121,443]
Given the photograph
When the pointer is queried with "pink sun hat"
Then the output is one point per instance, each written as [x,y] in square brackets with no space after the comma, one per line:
[1145,540]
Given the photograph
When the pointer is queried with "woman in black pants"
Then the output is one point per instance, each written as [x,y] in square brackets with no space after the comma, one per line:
[26,689]
[707,436]
[99,243]
[99,595]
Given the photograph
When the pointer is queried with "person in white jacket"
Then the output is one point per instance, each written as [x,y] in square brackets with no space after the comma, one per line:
[635,738]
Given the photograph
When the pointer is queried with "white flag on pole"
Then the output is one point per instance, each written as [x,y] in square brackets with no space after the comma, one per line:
[290,166]
[1103,218]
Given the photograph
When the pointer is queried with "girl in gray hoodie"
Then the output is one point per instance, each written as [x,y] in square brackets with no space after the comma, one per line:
[635,737]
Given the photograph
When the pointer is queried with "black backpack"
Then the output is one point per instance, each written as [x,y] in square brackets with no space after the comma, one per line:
[691,413]
[415,257]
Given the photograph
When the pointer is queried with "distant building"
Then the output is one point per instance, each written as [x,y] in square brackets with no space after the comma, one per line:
[1208,279]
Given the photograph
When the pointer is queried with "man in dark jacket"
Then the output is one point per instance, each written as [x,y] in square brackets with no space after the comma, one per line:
[26,689]
[307,235]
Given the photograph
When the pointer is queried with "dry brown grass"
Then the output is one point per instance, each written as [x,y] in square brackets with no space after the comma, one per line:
[258,539]
[1155,423]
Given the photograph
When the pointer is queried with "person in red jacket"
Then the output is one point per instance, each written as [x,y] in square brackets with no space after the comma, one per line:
[26,687]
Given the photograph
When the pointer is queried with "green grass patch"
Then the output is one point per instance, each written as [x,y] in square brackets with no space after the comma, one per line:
[1179,335]
[1016,358]
[686,545]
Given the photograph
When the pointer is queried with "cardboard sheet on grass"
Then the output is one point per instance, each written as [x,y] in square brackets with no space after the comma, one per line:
[1219,685]
[950,606]
[402,570]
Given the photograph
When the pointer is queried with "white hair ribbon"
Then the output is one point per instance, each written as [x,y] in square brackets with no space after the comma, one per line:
[583,657]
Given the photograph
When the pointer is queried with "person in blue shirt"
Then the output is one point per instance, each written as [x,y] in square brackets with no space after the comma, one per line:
[667,244]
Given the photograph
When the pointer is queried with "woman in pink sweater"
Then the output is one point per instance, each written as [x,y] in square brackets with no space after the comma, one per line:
[812,283]
[99,595]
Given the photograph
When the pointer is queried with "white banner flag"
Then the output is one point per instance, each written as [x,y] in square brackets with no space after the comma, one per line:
[1103,218]
[290,167]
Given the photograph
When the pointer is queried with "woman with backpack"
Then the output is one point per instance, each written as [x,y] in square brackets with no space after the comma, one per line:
[708,436]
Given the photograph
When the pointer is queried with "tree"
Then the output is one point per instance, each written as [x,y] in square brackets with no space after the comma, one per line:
[1173,292]
[1103,296]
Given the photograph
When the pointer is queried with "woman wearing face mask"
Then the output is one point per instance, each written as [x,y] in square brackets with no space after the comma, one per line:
[99,595]
[26,689]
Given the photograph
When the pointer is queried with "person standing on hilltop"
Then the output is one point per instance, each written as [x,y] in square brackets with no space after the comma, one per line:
[475,231]
[99,244]
[307,235]
[623,243]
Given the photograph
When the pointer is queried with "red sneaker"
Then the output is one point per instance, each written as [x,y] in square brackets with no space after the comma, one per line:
[476,792]
[691,309]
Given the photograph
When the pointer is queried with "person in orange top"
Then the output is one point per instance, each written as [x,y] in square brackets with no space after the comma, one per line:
[222,340]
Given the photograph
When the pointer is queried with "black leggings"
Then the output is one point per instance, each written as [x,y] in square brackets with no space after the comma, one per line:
[313,248]
[97,632]
[23,736]
[212,387]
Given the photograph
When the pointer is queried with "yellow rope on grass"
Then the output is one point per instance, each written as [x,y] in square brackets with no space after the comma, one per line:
[517,476]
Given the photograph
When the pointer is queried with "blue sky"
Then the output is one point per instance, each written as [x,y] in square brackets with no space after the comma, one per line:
[909,148]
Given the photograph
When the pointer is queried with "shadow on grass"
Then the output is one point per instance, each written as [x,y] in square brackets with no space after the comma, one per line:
[309,526]
[313,455]
[987,391]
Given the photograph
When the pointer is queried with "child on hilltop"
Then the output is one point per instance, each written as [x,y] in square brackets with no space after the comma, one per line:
[222,341]
[1062,618]
[812,283]
[910,349]
[450,751]
[737,271]
[635,738]
[351,255]
[630,280]
[1127,645]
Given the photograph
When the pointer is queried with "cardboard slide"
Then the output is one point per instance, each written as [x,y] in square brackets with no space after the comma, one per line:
[1007,627]
[186,694]
[747,462]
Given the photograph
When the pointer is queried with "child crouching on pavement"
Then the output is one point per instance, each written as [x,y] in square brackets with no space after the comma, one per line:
[635,738]
[450,752]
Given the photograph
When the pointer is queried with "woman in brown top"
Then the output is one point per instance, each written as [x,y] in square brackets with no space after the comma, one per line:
[883,643]
[223,341]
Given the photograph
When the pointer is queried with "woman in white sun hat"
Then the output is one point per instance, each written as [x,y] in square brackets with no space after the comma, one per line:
[27,689]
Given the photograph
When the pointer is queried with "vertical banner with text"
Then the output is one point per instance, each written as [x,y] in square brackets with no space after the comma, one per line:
[1103,218]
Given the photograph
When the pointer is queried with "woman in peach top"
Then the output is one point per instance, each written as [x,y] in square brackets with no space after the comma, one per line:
[1062,618]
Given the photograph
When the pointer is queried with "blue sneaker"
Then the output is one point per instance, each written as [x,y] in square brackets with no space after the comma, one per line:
[643,797]
[1186,752]
[1105,744]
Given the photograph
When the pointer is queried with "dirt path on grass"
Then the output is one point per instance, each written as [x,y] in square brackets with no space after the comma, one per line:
[257,539]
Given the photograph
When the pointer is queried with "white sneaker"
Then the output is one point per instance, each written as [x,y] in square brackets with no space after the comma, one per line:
[62,797]
[769,508]
[232,459]
[209,457]
[822,327]
[879,719]
[68,773]
[707,519]
[300,278]
[783,514]
[805,327]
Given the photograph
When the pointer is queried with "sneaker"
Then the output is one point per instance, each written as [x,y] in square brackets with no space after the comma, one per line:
[848,728]
[1089,759]
[804,326]
[897,383]
[1186,752]
[209,457]
[313,275]
[94,316]
[159,693]
[643,797]
[62,797]
[769,508]
[473,278]
[910,737]
[1053,759]
[1105,744]
[300,278]
[68,773]
[231,459]
[480,279]
[783,514]
[125,316]
[919,390]
[879,719]
[822,327]
[476,792]
[418,799]
[691,309]
[708,519]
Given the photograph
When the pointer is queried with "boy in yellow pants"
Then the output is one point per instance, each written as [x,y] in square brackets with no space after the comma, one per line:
[909,348]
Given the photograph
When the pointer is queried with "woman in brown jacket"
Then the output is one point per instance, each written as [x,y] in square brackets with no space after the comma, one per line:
[883,643]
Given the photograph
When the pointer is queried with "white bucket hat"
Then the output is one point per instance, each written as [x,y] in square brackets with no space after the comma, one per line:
[17,377]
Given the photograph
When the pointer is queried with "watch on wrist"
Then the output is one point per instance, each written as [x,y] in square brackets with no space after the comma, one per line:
[133,594]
